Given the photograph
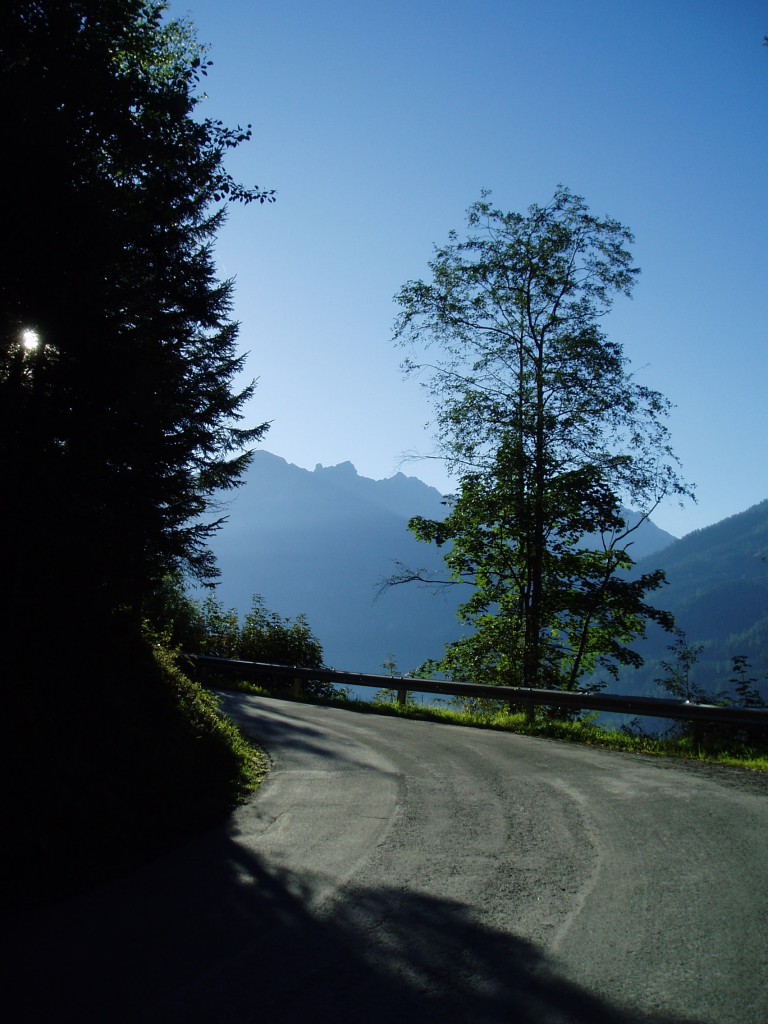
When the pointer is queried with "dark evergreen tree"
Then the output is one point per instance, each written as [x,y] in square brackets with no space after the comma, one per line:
[119,413]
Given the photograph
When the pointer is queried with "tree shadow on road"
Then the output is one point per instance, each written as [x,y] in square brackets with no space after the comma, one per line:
[210,934]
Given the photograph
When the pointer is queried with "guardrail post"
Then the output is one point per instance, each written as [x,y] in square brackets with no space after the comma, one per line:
[296,689]
[697,735]
[402,697]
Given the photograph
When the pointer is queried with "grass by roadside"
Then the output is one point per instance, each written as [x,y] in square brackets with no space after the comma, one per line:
[107,765]
[714,747]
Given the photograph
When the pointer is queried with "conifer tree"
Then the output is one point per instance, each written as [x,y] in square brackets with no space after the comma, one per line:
[119,411]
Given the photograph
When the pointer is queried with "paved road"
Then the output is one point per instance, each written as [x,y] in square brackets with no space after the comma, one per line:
[401,871]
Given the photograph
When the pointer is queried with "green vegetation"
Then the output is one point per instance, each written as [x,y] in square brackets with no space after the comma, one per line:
[207,627]
[718,592]
[108,762]
[120,419]
[551,437]
[121,423]
[714,745]
[677,678]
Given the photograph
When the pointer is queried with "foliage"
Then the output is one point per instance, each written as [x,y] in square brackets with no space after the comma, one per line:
[391,668]
[718,593]
[108,761]
[733,753]
[389,697]
[120,418]
[550,435]
[171,618]
[208,627]
[262,635]
[746,693]
[677,677]
[678,680]
[118,411]
[220,630]
[679,671]
[479,708]
[267,636]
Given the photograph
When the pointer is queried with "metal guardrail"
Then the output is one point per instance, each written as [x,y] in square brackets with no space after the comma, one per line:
[652,707]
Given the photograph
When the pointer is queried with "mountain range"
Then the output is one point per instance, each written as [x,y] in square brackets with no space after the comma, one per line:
[321,543]
[717,589]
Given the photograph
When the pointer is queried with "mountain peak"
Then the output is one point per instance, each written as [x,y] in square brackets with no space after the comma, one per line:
[343,469]
[320,543]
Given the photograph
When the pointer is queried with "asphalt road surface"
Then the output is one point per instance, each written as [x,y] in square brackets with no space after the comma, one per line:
[391,870]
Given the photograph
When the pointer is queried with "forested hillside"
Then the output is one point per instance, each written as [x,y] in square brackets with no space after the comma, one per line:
[718,591]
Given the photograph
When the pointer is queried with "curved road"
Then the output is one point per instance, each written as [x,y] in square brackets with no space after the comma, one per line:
[391,870]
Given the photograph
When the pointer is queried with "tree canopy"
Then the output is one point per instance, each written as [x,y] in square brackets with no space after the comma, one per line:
[119,406]
[551,438]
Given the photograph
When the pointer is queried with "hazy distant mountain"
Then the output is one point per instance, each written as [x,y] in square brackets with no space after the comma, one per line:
[321,542]
[718,591]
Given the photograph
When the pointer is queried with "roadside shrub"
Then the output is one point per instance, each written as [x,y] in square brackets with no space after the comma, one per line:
[110,756]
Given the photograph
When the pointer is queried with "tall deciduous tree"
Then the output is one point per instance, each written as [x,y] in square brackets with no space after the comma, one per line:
[550,435]
[119,407]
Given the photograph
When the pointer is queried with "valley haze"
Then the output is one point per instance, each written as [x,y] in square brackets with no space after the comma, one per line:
[320,543]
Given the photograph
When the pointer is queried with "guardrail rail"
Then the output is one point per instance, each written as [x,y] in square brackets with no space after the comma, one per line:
[652,707]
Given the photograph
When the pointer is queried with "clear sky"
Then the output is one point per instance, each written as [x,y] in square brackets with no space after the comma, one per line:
[379,123]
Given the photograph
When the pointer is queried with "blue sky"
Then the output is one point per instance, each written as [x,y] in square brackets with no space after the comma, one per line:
[379,124]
